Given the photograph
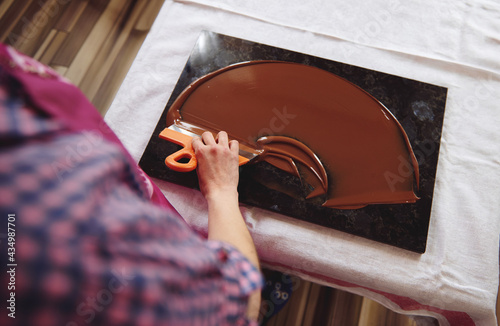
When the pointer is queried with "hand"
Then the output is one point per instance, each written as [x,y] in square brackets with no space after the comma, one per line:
[217,164]
[218,173]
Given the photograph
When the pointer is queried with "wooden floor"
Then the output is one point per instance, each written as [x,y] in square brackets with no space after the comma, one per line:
[314,305]
[93,43]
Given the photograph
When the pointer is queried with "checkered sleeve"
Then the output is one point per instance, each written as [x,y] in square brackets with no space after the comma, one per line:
[241,277]
[91,249]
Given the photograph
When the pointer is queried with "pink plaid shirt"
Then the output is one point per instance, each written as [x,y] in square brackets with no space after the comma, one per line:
[95,243]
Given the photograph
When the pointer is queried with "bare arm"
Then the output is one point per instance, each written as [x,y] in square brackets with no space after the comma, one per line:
[218,177]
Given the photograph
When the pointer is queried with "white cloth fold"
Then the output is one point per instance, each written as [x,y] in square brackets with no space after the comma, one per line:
[452,44]
[445,30]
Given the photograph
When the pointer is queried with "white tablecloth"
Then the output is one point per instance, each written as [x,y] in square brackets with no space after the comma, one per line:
[455,44]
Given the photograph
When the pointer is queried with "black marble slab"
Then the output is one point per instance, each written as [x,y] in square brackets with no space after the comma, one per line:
[418,106]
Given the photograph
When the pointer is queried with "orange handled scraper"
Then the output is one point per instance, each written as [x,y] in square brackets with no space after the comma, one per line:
[184,138]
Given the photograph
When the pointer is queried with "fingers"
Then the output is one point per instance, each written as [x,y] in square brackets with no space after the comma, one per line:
[197,144]
[222,138]
[208,139]
[234,146]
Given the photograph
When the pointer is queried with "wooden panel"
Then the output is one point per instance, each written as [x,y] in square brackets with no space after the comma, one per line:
[374,314]
[54,46]
[322,311]
[112,81]
[312,301]
[10,19]
[45,44]
[85,23]
[36,24]
[147,16]
[60,69]
[71,15]
[109,53]
[345,308]
[4,6]
[281,317]
[298,303]
[371,315]
[85,56]
[313,304]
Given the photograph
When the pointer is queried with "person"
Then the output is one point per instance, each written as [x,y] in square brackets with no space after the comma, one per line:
[94,242]
[218,178]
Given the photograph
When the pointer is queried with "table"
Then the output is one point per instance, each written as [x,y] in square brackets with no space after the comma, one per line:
[450,44]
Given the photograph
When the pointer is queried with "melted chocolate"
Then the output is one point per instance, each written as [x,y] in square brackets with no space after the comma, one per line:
[302,114]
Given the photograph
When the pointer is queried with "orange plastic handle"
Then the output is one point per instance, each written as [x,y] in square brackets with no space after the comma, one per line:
[172,161]
[242,160]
